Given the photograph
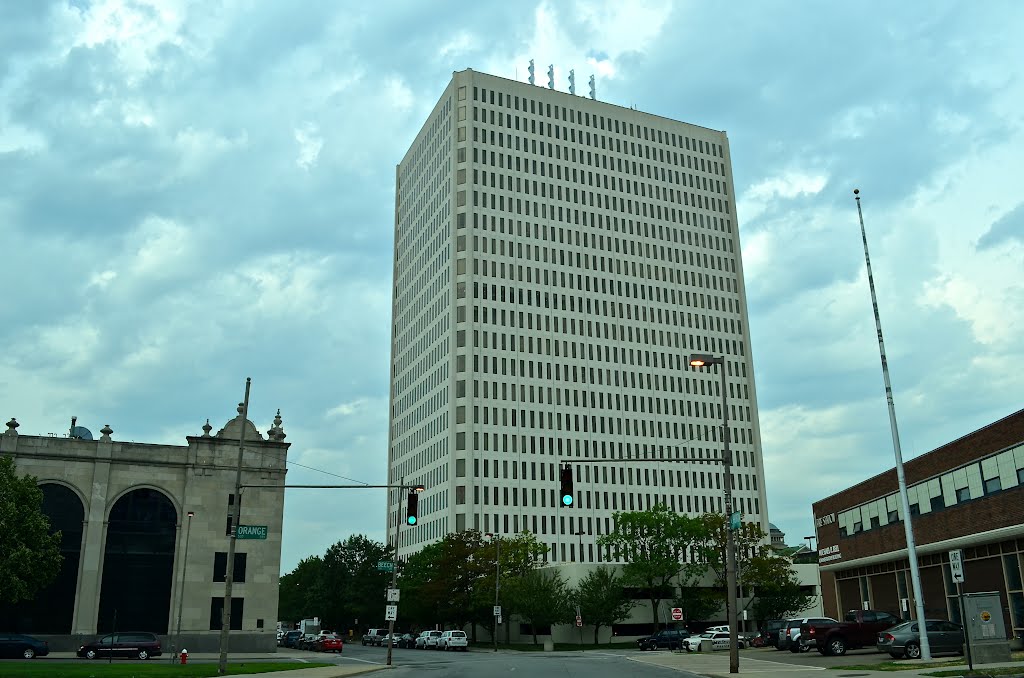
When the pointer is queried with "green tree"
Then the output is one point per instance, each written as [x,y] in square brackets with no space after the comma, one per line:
[777,590]
[29,553]
[655,544]
[699,602]
[602,599]
[749,540]
[351,586]
[541,598]
[299,591]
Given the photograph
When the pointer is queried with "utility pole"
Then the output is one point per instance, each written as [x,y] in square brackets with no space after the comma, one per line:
[394,569]
[222,665]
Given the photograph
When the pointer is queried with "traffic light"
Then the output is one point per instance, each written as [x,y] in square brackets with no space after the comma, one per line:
[567,493]
[411,508]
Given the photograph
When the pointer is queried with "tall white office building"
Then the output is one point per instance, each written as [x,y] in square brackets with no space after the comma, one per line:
[556,260]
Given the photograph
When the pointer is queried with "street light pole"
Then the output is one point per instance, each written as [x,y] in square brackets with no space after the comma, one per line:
[731,603]
[184,567]
[908,528]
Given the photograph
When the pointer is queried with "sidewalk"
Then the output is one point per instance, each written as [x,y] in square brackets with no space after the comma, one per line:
[716,665]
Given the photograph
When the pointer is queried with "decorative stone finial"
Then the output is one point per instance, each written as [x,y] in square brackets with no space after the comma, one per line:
[241,408]
[12,427]
[276,433]
[106,431]
[207,428]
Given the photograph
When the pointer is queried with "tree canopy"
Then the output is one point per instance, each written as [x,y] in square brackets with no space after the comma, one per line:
[656,543]
[29,553]
[602,599]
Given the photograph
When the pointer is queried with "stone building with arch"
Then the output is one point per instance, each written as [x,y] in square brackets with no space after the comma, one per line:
[128,515]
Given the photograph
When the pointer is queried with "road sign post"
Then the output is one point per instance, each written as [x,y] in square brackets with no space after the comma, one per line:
[392,595]
[956,568]
[677,614]
[390,613]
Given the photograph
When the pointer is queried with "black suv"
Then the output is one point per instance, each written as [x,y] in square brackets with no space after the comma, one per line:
[669,638]
[770,631]
[291,638]
[140,645]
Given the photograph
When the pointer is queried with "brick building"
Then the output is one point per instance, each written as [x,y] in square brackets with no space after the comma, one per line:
[967,494]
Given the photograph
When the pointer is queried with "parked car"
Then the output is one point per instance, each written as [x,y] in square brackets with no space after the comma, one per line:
[719,641]
[307,642]
[427,640]
[280,636]
[789,634]
[291,638]
[670,638]
[330,642]
[407,641]
[859,628]
[125,644]
[904,640]
[453,640]
[25,647]
[770,631]
[373,636]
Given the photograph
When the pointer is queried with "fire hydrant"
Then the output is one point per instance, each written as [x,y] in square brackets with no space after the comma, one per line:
[184,656]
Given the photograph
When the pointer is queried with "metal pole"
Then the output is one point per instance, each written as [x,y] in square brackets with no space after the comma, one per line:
[222,665]
[497,576]
[184,567]
[730,542]
[915,574]
[963,624]
[394,569]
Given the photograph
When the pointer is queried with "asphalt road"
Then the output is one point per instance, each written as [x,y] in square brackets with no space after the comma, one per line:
[507,664]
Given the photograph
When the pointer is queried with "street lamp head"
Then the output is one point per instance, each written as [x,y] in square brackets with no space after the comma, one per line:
[191,514]
[418,488]
[704,359]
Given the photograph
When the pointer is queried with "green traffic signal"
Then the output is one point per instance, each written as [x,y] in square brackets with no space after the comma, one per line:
[412,508]
[566,483]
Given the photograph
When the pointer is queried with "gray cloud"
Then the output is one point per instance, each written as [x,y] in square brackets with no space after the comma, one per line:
[210,198]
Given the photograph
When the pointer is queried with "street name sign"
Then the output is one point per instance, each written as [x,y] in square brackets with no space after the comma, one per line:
[251,532]
[385,566]
[391,613]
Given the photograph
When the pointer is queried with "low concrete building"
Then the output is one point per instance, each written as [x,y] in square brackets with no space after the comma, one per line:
[130,512]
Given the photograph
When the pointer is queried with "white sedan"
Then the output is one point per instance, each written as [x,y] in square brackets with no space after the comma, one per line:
[719,641]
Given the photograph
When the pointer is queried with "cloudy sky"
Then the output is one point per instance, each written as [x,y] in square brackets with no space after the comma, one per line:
[194,193]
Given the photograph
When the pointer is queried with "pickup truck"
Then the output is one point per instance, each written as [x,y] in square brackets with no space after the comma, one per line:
[859,628]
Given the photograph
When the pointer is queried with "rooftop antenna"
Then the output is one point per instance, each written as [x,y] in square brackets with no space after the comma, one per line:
[593,88]
[531,71]
[572,81]
[551,76]
[71,431]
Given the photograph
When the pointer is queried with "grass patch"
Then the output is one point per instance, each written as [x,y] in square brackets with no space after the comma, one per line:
[41,668]
[899,666]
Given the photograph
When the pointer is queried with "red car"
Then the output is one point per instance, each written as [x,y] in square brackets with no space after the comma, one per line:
[331,643]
